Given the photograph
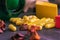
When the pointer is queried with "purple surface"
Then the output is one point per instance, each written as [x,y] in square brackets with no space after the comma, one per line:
[46,34]
[59,11]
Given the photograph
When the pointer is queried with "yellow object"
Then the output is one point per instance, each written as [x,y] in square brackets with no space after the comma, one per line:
[25,18]
[14,19]
[12,27]
[46,9]
[32,16]
[50,25]
[19,22]
[40,22]
[43,21]
[39,28]
[32,20]
[49,20]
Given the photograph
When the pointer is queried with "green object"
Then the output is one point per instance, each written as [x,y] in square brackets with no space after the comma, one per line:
[12,4]
[10,8]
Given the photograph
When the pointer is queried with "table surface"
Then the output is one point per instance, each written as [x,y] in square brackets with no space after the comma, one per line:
[46,34]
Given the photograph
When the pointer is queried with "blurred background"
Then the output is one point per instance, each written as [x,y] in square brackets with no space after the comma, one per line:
[55,1]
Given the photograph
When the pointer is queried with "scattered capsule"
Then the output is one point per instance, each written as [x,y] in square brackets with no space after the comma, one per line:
[20,22]
[50,25]
[14,19]
[12,27]
[49,20]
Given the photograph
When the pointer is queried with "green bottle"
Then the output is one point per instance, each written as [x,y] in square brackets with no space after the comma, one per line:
[10,8]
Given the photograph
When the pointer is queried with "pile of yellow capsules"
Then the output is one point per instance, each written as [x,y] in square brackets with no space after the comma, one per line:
[32,20]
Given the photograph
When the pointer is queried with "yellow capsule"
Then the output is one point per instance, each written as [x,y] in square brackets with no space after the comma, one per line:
[41,27]
[42,24]
[18,19]
[32,16]
[26,18]
[30,24]
[19,22]
[50,25]
[13,20]
[43,20]
[49,20]
[32,20]
[12,27]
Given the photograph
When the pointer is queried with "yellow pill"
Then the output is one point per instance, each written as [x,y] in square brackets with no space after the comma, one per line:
[26,18]
[49,20]
[18,19]
[41,27]
[12,27]
[32,16]
[50,25]
[13,20]
[42,24]
[43,20]
[19,22]
[32,20]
